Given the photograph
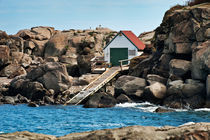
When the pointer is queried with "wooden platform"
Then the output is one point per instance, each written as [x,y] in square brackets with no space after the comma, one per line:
[94,86]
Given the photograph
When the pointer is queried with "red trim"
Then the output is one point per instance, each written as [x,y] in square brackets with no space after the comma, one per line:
[134,39]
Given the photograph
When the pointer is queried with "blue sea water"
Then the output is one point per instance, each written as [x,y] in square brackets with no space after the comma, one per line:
[61,120]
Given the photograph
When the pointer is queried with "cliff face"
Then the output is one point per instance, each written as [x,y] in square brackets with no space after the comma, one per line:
[73,48]
[45,57]
[181,52]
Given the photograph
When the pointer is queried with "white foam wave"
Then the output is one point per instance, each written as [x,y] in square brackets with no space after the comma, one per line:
[203,109]
[188,123]
[1,132]
[145,106]
[127,104]
[149,107]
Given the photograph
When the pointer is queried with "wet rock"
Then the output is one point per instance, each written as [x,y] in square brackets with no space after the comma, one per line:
[21,99]
[123,99]
[196,101]
[131,86]
[48,100]
[100,100]
[174,101]
[9,100]
[33,104]
[157,90]
[179,67]
[163,110]
[191,89]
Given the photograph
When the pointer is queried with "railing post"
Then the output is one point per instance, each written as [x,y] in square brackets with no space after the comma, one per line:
[121,65]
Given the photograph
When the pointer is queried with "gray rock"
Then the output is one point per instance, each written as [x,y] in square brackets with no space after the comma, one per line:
[52,75]
[157,89]
[195,101]
[32,90]
[12,71]
[189,90]
[123,99]
[200,61]
[183,48]
[9,100]
[129,85]
[175,83]
[157,78]
[179,67]
[33,104]
[100,100]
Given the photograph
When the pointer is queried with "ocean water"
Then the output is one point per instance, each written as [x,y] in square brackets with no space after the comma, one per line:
[61,120]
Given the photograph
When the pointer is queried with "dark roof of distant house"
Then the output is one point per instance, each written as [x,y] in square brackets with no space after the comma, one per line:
[132,38]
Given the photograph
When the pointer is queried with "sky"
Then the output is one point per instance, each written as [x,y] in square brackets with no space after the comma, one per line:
[135,15]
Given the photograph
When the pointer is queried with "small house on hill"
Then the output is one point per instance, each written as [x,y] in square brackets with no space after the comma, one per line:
[125,45]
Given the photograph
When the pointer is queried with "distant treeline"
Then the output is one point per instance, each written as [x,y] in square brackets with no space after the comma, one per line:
[195,2]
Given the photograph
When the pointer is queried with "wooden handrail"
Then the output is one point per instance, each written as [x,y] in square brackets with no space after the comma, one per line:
[121,63]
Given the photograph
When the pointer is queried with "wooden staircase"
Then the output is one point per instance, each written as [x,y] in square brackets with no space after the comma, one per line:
[94,86]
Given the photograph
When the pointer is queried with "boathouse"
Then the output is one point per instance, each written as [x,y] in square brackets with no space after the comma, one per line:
[125,45]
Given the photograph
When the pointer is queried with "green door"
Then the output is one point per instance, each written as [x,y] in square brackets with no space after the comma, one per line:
[117,54]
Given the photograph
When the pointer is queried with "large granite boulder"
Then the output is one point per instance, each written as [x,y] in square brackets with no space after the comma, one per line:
[193,87]
[179,67]
[31,90]
[201,61]
[131,86]
[157,90]
[190,94]
[52,75]
[12,71]
[100,100]
[77,48]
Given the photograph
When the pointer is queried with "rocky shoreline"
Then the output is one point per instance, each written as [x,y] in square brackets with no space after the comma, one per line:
[50,66]
[198,131]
